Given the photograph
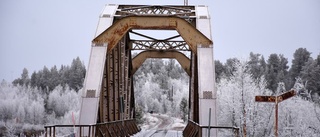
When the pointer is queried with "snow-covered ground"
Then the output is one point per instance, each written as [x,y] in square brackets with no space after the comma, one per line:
[160,125]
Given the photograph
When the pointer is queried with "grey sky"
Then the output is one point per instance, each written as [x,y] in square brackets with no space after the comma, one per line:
[37,33]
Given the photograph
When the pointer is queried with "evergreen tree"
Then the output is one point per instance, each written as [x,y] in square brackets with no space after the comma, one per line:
[311,75]
[77,74]
[48,79]
[54,80]
[172,67]
[230,66]
[273,68]
[23,80]
[184,108]
[35,79]
[300,57]
[257,65]
[283,75]
[64,75]
[277,71]
[44,79]
[219,69]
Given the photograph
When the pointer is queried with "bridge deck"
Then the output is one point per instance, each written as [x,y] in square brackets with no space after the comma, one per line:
[158,133]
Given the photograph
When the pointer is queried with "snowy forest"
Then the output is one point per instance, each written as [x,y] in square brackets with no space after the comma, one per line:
[52,96]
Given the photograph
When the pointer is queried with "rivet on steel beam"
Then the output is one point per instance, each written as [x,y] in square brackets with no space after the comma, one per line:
[172,23]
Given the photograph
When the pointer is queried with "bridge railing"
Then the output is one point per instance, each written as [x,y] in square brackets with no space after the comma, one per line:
[108,129]
[193,129]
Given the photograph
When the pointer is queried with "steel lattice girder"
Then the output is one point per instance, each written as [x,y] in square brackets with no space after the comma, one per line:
[181,11]
[159,45]
[190,34]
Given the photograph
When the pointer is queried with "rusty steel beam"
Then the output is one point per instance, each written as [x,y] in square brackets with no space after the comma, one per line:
[126,78]
[116,83]
[181,58]
[121,76]
[110,87]
[190,34]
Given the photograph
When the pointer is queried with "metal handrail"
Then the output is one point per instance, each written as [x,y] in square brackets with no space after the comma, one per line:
[195,129]
[128,125]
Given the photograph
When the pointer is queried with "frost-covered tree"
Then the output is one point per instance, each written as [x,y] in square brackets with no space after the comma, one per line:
[236,100]
[160,92]
[62,100]
[297,116]
[22,108]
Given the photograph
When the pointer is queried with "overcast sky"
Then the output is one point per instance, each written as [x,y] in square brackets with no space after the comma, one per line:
[37,33]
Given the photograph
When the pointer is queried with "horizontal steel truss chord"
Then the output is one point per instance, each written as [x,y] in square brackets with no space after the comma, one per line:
[159,45]
[156,44]
[182,11]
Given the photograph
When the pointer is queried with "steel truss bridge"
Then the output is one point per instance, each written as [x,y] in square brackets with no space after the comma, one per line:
[108,106]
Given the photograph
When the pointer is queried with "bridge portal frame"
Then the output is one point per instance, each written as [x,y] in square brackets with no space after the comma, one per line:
[108,90]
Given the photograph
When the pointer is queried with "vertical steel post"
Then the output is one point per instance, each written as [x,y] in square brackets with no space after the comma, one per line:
[94,129]
[45,130]
[54,131]
[89,131]
[50,133]
[80,133]
[209,122]
[276,120]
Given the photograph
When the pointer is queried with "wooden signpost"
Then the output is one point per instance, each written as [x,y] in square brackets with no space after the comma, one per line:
[276,100]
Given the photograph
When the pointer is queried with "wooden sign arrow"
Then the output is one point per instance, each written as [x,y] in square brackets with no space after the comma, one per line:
[287,95]
[279,98]
[276,100]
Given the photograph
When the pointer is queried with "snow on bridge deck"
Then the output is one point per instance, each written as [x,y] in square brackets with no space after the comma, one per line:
[157,125]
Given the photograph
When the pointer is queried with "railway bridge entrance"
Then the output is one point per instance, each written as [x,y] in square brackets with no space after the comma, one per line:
[108,94]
